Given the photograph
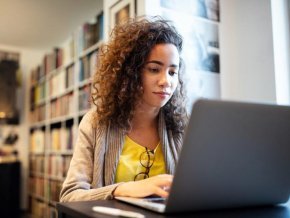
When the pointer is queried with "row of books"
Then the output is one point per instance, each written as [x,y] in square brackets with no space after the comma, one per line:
[69,50]
[51,61]
[61,139]
[37,164]
[91,32]
[37,114]
[38,208]
[37,141]
[88,35]
[44,189]
[36,185]
[64,79]
[61,81]
[41,209]
[84,98]
[36,74]
[69,76]
[38,93]
[54,188]
[57,84]
[88,66]
[51,212]
[58,165]
[62,106]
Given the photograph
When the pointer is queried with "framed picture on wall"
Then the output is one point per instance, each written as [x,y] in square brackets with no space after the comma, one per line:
[121,11]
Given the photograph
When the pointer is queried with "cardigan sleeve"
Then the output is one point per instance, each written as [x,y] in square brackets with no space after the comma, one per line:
[78,183]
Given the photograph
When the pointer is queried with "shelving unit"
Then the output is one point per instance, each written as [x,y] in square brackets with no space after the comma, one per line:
[59,97]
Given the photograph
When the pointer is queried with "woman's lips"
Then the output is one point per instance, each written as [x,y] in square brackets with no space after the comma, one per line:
[162,94]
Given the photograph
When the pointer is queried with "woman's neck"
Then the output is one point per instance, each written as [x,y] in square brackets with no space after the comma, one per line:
[144,129]
[145,118]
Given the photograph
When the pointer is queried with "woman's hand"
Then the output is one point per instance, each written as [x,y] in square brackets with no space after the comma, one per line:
[156,185]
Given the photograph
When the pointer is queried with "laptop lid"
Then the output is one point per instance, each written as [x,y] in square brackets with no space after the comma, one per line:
[234,154]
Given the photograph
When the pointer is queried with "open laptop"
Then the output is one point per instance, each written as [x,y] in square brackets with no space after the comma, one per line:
[234,155]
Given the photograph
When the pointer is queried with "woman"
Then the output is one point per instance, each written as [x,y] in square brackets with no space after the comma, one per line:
[129,144]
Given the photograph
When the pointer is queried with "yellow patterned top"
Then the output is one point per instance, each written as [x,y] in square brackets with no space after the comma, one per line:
[129,163]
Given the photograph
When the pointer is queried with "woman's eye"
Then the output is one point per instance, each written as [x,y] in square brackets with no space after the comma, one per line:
[153,70]
[172,73]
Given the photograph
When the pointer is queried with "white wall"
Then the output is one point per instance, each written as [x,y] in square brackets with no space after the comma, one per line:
[28,60]
[247,59]
[281,35]
[246,48]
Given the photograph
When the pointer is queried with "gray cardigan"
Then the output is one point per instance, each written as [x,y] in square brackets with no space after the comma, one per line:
[96,154]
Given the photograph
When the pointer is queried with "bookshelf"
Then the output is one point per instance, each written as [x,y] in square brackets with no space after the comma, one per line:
[59,97]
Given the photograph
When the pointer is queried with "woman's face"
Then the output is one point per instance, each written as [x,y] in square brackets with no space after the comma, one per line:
[160,75]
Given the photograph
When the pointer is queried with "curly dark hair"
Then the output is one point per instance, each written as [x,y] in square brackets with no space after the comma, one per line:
[117,83]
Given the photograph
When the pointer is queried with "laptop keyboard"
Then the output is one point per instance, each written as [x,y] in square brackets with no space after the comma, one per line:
[156,200]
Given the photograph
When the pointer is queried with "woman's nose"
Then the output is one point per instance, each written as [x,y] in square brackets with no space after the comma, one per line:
[164,79]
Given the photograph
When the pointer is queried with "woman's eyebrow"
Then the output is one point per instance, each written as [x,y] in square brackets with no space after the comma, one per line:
[160,63]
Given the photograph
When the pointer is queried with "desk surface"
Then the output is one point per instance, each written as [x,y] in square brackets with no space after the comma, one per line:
[84,210]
